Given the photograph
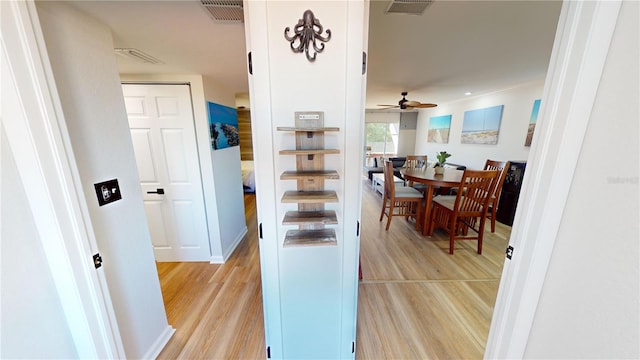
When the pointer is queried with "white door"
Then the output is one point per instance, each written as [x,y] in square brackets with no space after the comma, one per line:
[164,141]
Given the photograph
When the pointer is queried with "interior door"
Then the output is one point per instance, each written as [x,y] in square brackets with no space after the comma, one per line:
[163,134]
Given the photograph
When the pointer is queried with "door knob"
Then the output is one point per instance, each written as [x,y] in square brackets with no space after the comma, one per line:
[158,191]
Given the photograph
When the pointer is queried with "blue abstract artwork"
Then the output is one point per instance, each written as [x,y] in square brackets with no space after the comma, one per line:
[223,126]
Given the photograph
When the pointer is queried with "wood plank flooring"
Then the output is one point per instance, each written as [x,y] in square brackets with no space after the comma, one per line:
[415,300]
[216,309]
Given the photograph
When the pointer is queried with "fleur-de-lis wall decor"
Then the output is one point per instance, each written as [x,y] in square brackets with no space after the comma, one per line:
[306,34]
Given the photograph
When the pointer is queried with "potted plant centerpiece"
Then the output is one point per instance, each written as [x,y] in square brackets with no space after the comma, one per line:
[442,158]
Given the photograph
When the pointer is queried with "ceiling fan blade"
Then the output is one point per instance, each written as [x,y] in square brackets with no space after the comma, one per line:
[388,107]
[424,106]
[412,103]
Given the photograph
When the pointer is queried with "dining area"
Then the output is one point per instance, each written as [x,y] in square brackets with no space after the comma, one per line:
[458,202]
[437,305]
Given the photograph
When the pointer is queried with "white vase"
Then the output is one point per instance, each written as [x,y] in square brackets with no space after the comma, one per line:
[439,170]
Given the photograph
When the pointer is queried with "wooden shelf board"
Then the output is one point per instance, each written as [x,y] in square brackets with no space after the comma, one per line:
[323,174]
[319,237]
[326,217]
[307,129]
[309,197]
[309,152]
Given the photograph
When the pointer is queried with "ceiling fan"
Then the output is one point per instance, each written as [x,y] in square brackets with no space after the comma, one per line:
[405,104]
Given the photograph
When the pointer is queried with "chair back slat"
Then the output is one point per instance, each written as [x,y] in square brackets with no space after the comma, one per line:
[502,167]
[407,205]
[478,186]
[389,184]
[415,161]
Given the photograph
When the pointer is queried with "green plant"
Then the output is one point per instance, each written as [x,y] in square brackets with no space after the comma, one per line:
[442,158]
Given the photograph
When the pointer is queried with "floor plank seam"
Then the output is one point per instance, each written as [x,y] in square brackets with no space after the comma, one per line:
[434,281]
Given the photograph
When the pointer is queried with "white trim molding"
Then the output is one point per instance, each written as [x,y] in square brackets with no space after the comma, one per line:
[158,345]
[215,259]
[585,30]
[38,137]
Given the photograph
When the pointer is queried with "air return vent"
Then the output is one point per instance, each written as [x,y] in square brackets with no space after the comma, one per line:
[224,11]
[137,55]
[410,7]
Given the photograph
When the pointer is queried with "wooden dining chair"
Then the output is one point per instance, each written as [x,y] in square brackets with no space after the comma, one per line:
[503,168]
[402,201]
[465,213]
[416,162]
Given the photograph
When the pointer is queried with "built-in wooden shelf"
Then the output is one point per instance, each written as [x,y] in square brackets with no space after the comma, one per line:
[326,237]
[311,217]
[309,152]
[307,129]
[310,197]
[311,174]
[325,217]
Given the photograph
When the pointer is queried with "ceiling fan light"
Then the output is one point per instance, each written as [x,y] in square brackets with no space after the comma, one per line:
[405,104]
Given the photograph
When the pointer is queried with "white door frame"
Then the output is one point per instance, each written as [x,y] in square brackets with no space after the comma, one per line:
[36,130]
[579,52]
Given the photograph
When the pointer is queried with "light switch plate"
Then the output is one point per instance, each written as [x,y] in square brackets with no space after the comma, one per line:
[107,192]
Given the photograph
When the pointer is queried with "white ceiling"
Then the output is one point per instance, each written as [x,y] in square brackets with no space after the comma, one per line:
[454,47]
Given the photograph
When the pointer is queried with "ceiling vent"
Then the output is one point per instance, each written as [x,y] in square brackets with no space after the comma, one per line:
[409,7]
[137,55]
[224,11]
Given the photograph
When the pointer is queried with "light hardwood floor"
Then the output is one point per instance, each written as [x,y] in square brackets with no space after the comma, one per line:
[415,300]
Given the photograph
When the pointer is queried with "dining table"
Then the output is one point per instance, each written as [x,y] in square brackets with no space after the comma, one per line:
[427,176]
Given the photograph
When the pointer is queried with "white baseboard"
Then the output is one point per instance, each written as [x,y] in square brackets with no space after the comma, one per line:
[234,245]
[225,256]
[160,343]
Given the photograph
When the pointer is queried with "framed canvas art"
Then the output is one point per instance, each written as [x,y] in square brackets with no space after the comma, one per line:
[482,126]
[439,127]
[532,122]
[223,126]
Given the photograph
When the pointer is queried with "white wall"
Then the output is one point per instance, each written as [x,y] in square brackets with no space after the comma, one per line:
[33,321]
[228,181]
[518,103]
[229,199]
[84,67]
[407,133]
[589,302]
[221,173]
[217,93]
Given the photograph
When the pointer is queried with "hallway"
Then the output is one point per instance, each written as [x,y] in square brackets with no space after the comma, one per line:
[415,300]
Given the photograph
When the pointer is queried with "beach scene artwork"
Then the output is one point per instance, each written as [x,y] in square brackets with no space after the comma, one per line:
[223,126]
[482,126]
[439,127]
[532,122]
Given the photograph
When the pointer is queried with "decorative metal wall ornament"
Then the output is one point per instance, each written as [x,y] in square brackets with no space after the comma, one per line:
[307,31]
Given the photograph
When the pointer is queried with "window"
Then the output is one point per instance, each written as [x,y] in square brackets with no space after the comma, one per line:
[381,139]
